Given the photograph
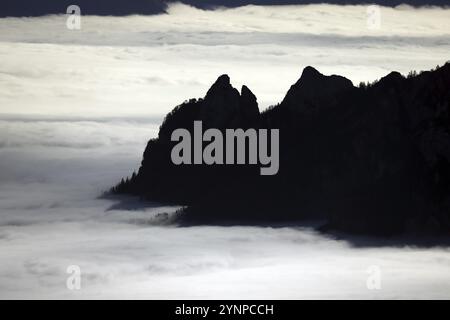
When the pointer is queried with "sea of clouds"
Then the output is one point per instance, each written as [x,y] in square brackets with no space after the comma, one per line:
[77,108]
[149,64]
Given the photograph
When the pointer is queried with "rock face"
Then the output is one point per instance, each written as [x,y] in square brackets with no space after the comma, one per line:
[373,159]
[224,107]
[199,186]
[314,90]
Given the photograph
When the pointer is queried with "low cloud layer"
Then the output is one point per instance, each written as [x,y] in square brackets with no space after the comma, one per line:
[307,19]
[146,65]
[122,255]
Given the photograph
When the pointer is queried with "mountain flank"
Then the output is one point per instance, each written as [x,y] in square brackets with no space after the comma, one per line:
[373,159]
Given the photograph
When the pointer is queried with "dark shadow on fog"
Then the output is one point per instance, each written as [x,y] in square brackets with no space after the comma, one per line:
[129,203]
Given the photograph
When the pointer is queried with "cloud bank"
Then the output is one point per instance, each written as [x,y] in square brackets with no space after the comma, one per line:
[146,65]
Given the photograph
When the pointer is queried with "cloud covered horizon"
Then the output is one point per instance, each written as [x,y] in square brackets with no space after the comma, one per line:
[146,65]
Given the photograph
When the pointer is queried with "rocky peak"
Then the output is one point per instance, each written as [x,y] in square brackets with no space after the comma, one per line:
[224,105]
[248,99]
[248,107]
[391,79]
[246,93]
[313,88]
[310,74]
[222,89]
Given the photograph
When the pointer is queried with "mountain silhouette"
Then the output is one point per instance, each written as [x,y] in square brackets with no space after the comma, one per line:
[373,159]
[26,8]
